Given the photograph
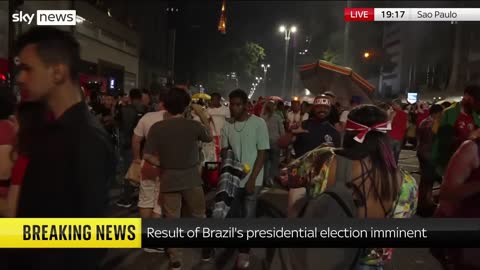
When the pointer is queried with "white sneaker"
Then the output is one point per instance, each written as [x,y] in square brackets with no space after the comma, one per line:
[243,261]
[154,250]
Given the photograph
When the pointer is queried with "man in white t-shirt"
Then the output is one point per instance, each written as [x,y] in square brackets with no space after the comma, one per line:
[149,184]
[218,116]
[295,116]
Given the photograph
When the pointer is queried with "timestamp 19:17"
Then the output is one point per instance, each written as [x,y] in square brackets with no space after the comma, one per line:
[390,14]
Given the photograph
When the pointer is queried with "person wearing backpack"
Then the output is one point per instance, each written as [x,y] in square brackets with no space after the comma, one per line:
[127,120]
[360,180]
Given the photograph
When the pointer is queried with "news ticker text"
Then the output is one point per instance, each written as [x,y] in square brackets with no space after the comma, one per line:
[139,233]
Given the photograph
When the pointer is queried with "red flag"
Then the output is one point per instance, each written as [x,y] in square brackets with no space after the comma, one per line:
[222,24]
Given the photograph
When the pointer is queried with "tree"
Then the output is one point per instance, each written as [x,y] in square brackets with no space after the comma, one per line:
[332,56]
[247,59]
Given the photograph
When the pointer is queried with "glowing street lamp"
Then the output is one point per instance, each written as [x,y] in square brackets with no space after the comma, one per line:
[287,31]
[366,55]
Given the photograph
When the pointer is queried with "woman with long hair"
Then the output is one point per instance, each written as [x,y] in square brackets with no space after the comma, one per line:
[276,129]
[380,187]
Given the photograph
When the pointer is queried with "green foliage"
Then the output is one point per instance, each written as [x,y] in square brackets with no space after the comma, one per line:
[332,56]
[247,59]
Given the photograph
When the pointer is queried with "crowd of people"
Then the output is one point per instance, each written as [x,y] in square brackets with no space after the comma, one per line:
[61,150]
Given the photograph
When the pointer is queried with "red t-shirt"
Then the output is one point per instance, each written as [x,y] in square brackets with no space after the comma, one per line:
[399,125]
[422,116]
[257,109]
[463,126]
[7,132]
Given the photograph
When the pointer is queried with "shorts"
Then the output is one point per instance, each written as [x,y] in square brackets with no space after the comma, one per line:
[148,195]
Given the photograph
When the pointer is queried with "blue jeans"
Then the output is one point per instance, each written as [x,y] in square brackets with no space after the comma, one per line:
[272,165]
[244,206]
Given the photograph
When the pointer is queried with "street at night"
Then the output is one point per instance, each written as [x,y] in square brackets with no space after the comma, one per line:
[126,259]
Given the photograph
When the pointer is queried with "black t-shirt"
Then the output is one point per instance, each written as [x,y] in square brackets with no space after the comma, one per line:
[70,170]
[319,132]
[128,120]
[334,116]
[68,175]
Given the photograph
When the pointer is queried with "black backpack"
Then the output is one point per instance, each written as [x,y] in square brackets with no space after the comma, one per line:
[335,202]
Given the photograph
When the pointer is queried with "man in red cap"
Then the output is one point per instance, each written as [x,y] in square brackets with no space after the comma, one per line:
[315,131]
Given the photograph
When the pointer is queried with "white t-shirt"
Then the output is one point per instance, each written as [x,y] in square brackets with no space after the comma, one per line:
[296,118]
[344,116]
[147,121]
[219,115]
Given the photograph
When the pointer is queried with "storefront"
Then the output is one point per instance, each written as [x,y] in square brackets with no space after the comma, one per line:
[114,75]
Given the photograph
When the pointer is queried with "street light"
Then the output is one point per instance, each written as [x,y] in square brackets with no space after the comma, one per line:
[265,69]
[366,55]
[288,32]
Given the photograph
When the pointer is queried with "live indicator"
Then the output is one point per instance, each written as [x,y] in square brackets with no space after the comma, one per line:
[359,14]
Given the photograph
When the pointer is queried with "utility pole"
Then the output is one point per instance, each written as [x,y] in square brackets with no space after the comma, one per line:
[285,62]
[287,32]
[294,45]
[265,70]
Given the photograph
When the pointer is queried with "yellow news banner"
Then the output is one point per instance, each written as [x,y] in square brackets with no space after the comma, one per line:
[70,233]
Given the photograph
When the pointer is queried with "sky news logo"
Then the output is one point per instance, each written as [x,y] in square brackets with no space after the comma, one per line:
[47,17]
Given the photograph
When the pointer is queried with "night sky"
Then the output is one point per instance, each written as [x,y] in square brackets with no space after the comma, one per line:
[198,42]
[256,21]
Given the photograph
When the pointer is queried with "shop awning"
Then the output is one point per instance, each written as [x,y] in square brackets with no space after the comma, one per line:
[344,82]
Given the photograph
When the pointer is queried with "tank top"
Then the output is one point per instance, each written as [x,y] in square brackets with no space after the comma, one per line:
[470,207]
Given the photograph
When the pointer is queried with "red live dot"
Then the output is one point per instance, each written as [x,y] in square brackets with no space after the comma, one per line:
[359,14]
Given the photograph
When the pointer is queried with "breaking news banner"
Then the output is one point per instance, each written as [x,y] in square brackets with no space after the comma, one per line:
[70,233]
[235,233]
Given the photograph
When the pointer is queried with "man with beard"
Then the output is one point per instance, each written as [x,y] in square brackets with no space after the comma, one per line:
[315,131]
[457,124]
[334,115]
